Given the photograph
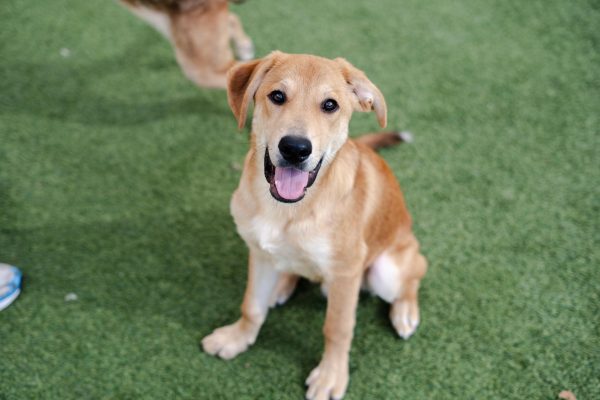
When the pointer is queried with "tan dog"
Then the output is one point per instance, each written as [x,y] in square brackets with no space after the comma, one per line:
[200,32]
[314,204]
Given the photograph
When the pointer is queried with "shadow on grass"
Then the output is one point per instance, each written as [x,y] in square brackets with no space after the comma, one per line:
[65,91]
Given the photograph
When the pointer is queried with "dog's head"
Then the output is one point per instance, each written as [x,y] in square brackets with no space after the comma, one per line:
[302,108]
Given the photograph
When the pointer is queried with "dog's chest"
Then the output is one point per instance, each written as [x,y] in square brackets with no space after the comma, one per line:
[297,248]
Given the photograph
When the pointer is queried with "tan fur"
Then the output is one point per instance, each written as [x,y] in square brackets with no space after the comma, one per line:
[379,140]
[351,229]
[200,32]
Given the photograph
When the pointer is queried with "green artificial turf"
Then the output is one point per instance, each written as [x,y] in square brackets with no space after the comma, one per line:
[116,174]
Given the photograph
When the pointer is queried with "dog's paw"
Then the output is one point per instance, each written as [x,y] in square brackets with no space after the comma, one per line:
[228,341]
[244,50]
[328,380]
[405,317]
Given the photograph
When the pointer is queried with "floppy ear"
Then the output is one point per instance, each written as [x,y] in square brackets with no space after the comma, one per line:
[366,95]
[243,81]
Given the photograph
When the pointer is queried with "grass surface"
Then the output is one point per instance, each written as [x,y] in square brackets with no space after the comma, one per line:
[116,174]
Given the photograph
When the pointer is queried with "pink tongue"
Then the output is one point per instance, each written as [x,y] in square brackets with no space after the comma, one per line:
[290,182]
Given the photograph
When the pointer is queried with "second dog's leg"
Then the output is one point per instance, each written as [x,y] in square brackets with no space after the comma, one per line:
[201,42]
[330,378]
[228,341]
[242,44]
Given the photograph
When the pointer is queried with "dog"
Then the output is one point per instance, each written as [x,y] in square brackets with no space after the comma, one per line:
[313,203]
[200,31]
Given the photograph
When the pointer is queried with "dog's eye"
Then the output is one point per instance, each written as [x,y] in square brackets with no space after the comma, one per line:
[277,97]
[329,105]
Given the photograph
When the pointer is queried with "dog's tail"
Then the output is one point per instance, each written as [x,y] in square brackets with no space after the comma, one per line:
[379,140]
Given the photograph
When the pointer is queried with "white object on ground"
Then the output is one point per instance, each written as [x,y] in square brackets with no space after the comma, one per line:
[71,297]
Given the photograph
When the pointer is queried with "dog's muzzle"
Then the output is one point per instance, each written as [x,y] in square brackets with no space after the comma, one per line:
[288,184]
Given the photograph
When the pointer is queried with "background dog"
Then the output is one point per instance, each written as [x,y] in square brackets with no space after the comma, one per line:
[201,32]
[312,203]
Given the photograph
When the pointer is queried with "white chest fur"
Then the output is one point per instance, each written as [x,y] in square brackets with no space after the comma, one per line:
[293,247]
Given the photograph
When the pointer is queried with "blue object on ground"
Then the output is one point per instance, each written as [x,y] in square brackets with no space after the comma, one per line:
[10,284]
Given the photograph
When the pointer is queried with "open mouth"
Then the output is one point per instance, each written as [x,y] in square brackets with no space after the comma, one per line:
[288,184]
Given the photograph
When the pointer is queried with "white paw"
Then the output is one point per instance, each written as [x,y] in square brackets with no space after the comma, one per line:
[405,317]
[327,381]
[244,50]
[228,341]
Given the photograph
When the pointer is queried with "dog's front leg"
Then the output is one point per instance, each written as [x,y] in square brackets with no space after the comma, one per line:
[330,378]
[230,340]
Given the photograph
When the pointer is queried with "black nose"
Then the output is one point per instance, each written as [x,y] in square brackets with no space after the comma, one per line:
[295,149]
